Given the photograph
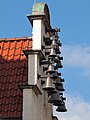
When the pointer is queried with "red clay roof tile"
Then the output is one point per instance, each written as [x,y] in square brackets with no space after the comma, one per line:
[13,71]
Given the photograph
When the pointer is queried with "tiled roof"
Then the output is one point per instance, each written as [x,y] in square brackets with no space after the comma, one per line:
[13,71]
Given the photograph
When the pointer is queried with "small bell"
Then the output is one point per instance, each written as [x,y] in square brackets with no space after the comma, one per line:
[59,74]
[59,43]
[58,103]
[60,87]
[54,75]
[54,43]
[51,92]
[52,53]
[51,69]
[62,80]
[59,65]
[49,86]
[57,50]
[58,58]
[61,108]
[57,82]
[55,98]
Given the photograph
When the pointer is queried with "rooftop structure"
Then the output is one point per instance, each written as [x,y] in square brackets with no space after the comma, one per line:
[24,62]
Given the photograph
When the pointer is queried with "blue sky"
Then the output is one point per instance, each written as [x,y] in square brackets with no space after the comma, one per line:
[73,18]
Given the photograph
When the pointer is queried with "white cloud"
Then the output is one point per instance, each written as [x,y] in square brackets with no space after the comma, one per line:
[76,55]
[78,109]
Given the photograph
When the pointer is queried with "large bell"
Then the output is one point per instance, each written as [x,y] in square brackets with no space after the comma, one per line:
[55,98]
[51,69]
[49,86]
[61,108]
[60,87]
[59,65]
[52,53]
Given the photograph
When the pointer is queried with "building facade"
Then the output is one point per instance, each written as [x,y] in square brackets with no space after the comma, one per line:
[23,84]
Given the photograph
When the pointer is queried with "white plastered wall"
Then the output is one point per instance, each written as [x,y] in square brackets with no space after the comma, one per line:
[36,107]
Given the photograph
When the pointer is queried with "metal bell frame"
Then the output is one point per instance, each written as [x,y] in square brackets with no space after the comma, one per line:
[53,83]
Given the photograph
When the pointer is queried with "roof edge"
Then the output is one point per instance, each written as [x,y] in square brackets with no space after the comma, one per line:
[15,39]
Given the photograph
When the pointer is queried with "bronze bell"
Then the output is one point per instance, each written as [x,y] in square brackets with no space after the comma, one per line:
[57,82]
[63,98]
[58,103]
[56,59]
[51,69]
[61,108]
[54,75]
[55,98]
[60,87]
[59,74]
[54,43]
[57,50]
[51,92]
[62,80]
[49,86]
[59,43]
[59,65]
[52,53]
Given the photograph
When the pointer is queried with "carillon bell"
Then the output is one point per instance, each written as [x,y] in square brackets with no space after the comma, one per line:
[49,86]
[61,108]
[59,74]
[57,50]
[52,53]
[55,98]
[51,92]
[59,43]
[60,58]
[56,59]
[51,69]
[62,80]
[59,65]
[60,87]
[54,75]
[47,40]
[63,98]
[58,103]
[56,36]
[54,43]
[57,82]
